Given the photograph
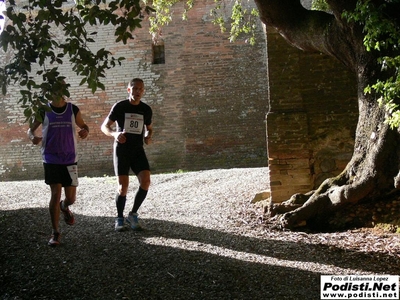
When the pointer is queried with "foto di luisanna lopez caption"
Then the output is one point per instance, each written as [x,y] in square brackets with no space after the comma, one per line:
[360,287]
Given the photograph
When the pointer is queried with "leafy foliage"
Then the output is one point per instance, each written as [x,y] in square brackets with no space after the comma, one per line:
[382,34]
[37,51]
[163,15]
[320,5]
[243,20]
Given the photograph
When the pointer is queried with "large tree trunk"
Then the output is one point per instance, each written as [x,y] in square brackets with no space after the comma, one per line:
[373,171]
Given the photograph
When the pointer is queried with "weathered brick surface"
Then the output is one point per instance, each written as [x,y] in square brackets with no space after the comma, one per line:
[209,101]
[312,118]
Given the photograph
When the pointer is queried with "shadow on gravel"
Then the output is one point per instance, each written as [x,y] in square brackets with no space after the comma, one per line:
[167,261]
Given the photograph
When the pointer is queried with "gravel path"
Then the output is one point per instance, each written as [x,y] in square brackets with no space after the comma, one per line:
[202,240]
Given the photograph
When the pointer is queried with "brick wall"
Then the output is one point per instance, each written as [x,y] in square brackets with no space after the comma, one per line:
[209,101]
[312,118]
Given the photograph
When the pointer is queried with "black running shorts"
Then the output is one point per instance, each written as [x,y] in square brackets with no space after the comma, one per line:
[126,159]
[67,175]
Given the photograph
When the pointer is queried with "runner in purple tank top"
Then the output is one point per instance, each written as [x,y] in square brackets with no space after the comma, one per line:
[59,153]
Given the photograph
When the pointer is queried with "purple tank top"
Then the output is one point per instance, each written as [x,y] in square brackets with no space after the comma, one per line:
[59,139]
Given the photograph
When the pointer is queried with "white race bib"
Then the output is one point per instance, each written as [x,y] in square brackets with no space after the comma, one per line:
[133,123]
[73,173]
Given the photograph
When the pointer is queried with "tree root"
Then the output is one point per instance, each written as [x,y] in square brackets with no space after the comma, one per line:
[329,197]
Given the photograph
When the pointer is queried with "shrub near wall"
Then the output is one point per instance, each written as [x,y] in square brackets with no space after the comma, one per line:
[209,101]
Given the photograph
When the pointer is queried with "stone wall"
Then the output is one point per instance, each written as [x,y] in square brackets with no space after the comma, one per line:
[209,101]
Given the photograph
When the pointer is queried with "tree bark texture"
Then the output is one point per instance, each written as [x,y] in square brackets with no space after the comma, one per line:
[373,171]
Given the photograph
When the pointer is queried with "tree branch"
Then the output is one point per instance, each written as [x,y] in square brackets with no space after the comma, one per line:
[314,31]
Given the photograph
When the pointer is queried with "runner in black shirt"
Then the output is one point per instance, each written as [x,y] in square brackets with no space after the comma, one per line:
[133,120]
